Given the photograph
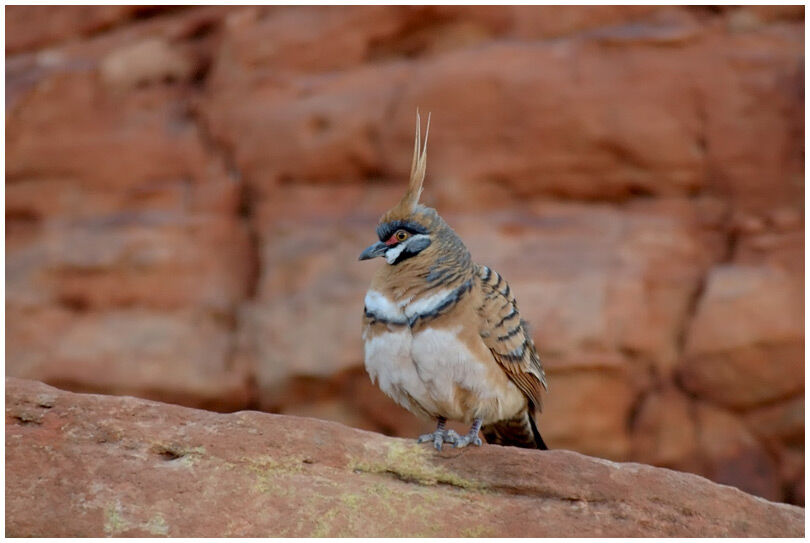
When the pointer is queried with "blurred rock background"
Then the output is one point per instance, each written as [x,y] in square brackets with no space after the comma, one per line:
[187,191]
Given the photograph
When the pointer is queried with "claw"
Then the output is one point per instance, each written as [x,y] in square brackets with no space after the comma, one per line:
[442,436]
[439,438]
[471,438]
[463,441]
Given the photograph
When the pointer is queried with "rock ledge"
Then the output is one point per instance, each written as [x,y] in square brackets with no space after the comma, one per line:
[88,465]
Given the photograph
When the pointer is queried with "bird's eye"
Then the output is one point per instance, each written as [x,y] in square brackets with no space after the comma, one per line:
[401,235]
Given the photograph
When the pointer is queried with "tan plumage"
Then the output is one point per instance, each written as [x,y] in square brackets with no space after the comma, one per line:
[443,336]
[507,336]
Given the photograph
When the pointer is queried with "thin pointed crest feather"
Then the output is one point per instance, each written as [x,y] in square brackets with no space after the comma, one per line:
[418,166]
[407,205]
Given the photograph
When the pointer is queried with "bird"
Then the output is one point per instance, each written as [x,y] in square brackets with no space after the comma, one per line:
[443,336]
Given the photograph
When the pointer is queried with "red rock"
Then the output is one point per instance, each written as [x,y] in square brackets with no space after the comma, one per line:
[790,461]
[72,120]
[732,456]
[664,431]
[314,280]
[125,243]
[331,132]
[79,465]
[758,359]
[781,249]
[688,121]
[672,431]
[756,173]
[533,22]
[163,261]
[587,411]
[513,114]
[154,226]
[291,39]
[796,489]
[179,357]
[747,18]
[585,149]
[335,410]
[149,61]
[782,421]
[30,27]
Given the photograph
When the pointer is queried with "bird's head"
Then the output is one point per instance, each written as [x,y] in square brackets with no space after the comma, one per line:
[408,228]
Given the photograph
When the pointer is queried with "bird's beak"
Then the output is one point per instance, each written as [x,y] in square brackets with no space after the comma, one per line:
[373,251]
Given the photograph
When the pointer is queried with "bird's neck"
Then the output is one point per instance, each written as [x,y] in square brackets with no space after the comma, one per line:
[417,278]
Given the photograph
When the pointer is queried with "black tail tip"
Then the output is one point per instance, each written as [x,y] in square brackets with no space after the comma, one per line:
[540,443]
[538,439]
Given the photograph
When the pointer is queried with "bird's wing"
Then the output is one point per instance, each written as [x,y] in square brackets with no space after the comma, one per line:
[507,336]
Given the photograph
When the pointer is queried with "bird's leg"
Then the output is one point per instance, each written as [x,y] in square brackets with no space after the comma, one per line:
[471,437]
[440,436]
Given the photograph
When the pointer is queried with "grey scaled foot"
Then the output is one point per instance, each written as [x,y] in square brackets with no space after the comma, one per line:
[471,438]
[440,436]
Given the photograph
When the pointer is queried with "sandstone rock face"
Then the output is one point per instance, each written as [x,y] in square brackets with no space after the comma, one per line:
[177,357]
[83,465]
[36,26]
[126,255]
[188,189]
[761,358]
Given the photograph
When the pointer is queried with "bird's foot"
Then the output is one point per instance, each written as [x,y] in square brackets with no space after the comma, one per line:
[471,438]
[439,438]
[468,439]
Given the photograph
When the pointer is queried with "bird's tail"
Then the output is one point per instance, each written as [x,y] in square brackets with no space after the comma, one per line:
[520,431]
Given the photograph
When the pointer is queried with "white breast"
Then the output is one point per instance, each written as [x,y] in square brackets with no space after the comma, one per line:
[390,365]
[426,372]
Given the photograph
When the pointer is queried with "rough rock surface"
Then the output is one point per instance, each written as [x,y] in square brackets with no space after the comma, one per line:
[758,360]
[86,465]
[188,188]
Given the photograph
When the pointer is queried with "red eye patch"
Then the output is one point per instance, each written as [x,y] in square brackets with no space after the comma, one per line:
[392,240]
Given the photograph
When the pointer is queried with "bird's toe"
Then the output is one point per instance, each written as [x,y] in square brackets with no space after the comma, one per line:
[425,438]
[438,438]
[463,441]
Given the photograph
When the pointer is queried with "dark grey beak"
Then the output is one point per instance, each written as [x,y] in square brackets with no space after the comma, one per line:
[373,251]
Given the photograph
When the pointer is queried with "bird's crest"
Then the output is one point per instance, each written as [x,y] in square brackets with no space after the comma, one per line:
[407,205]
